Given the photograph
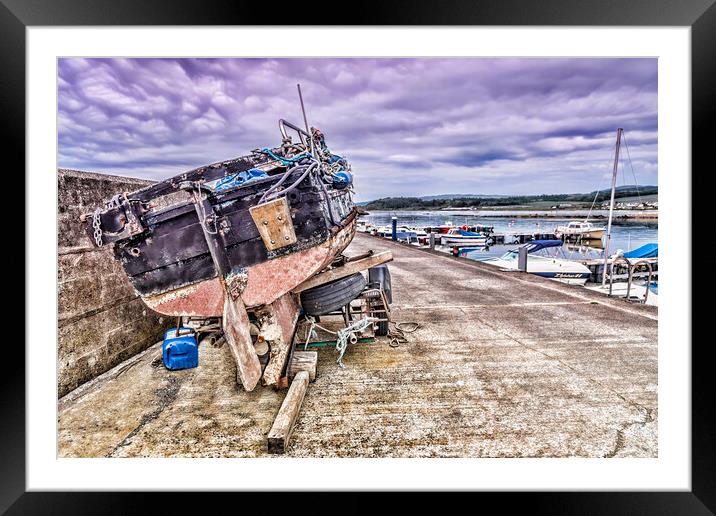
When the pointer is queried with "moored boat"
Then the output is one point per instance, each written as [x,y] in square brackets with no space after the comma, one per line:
[233,239]
[551,267]
[276,216]
[584,230]
[460,237]
[441,230]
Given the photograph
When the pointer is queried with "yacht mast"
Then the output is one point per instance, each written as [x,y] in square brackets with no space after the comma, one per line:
[611,204]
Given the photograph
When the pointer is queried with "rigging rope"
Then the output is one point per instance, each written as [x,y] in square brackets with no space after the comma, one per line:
[636,184]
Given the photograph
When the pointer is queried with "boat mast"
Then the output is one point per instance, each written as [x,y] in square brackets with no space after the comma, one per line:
[611,204]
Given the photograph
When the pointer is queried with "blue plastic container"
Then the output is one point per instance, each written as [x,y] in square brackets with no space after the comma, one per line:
[182,351]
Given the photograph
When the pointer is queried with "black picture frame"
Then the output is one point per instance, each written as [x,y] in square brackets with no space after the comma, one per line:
[700,15]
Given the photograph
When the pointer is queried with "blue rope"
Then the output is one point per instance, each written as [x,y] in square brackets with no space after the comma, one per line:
[284,161]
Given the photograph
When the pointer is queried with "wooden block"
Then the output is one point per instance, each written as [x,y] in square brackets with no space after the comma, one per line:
[273,220]
[303,361]
[345,270]
[280,433]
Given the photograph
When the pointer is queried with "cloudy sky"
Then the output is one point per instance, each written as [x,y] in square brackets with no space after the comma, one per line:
[408,126]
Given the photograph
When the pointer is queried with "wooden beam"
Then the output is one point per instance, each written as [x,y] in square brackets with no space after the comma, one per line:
[344,270]
[280,433]
[303,361]
[237,333]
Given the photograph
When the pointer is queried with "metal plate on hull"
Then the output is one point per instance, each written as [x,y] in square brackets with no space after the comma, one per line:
[273,221]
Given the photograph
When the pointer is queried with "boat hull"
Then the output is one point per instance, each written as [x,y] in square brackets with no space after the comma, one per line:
[565,277]
[457,240]
[180,243]
[565,271]
[593,234]
[267,281]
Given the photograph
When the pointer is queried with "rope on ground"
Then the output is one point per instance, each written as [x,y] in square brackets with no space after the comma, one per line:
[348,334]
[396,335]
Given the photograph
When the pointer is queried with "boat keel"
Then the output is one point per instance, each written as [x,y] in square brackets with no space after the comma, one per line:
[277,326]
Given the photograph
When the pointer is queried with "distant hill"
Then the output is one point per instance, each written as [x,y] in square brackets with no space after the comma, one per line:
[447,201]
[634,187]
[461,196]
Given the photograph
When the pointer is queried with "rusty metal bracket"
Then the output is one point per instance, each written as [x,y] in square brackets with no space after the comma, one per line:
[236,283]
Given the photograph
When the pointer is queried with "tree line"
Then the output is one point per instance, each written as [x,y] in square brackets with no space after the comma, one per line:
[417,203]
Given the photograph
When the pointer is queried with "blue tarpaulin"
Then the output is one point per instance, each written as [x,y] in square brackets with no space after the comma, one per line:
[239,179]
[645,251]
[536,245]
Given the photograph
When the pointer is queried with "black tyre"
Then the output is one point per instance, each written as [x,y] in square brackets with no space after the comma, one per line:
[332,296]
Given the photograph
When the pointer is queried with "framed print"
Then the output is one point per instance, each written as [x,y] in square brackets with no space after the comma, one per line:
[416,253]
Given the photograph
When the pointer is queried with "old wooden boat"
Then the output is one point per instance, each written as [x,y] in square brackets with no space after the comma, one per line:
[235,235]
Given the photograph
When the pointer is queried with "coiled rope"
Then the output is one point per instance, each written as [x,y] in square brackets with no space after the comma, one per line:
[396,335]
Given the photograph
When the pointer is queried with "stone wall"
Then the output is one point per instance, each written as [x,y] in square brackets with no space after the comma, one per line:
[101,320]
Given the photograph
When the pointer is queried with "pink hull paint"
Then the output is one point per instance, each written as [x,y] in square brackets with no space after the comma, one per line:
[267,281]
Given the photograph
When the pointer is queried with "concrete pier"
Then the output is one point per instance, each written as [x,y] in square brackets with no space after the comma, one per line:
[505,364]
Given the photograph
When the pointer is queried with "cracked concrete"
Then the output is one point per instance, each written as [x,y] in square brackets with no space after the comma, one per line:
[503,365]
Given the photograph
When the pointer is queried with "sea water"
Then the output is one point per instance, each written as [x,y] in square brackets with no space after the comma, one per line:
[627,234]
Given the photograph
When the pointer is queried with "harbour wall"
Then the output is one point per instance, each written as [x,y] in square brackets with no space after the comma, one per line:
[101,320]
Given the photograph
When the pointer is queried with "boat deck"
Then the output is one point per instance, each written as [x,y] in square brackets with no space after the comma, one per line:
[505,364]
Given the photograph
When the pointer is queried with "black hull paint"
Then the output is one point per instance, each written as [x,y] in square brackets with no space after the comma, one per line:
[167,248]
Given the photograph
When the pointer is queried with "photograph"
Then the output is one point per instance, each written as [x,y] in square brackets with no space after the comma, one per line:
[358,257]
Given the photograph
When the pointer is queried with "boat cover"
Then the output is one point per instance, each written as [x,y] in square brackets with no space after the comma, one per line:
[469,233]
[645,251]
[536,245]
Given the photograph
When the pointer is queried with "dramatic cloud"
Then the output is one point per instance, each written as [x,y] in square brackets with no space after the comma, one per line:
[409,126]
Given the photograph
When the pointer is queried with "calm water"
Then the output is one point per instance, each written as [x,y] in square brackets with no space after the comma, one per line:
[626,235]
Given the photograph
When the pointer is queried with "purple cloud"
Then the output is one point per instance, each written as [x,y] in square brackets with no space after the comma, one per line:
[409,126]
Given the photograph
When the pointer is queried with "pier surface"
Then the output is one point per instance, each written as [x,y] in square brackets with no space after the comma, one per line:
[504,364]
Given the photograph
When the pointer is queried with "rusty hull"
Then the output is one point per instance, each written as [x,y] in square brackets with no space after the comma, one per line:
[267,281]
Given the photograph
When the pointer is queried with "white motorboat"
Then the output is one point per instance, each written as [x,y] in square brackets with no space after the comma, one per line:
[460,237]
[559,269]
[402,233]
[364,227]
[584,230]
